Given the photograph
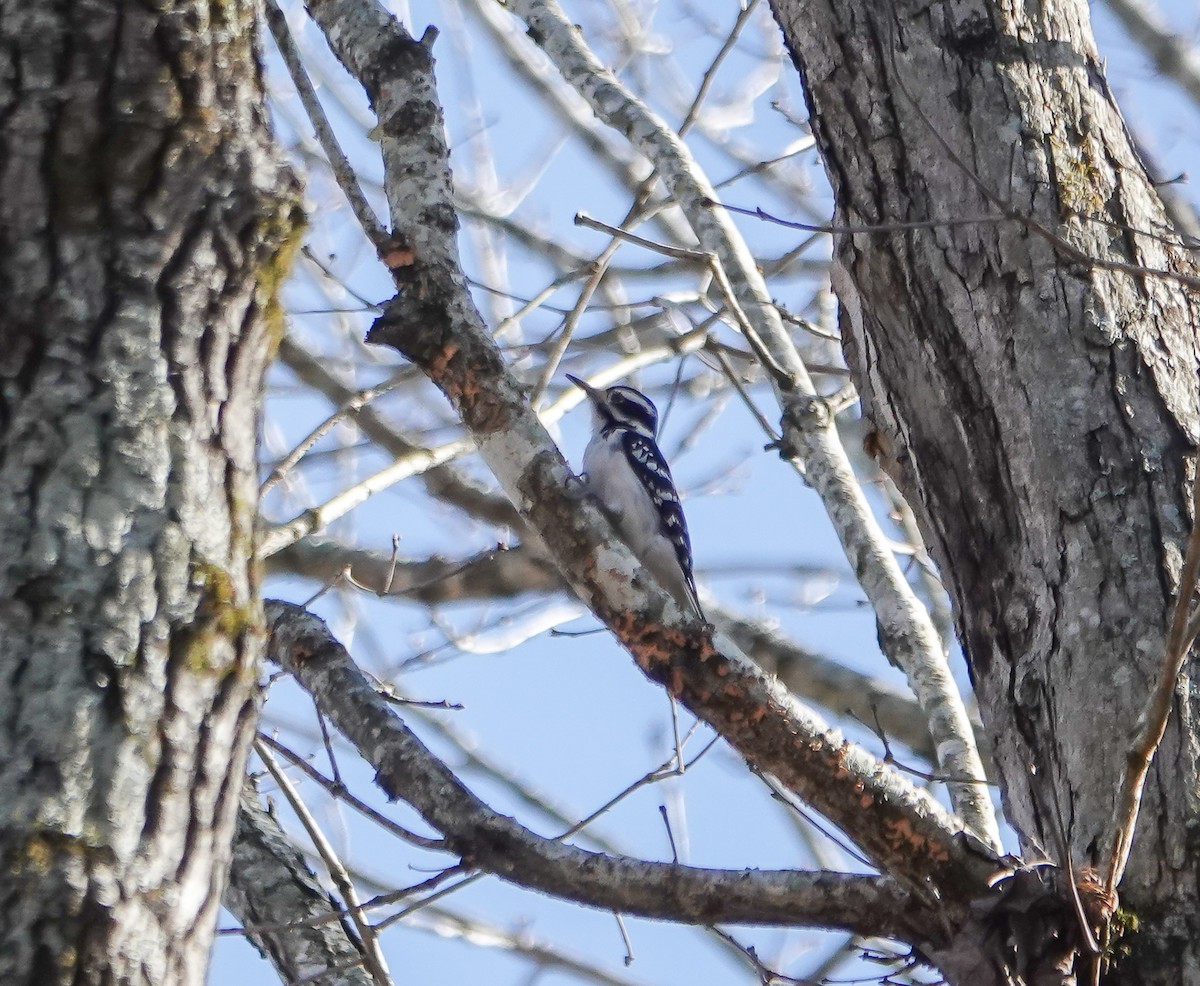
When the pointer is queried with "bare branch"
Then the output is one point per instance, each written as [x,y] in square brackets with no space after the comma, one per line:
[315,518]
[495,574]
[485,839]
[433,322]
[336,789]
[907,634]
[442,482]
[372,955]
[832,685]
[503,573]
[1152,723]
[343,171]
[447,923]
[270,886]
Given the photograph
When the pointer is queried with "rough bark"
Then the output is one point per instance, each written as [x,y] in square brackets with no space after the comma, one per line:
[1041,411]
[142,214]
[484,839]
[277,898]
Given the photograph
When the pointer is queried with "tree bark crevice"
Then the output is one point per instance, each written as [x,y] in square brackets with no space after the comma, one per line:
[1041,411]
[144,210]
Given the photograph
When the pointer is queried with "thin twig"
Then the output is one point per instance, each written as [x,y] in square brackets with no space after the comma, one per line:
[342,169]
[349,408]
[438,895]
[693,113]
[713,263]
[372,953]
[662,810]
[625,938]
[336,790]
[637,212]
[333,764]
[418,461]
[667,769]
[719,354]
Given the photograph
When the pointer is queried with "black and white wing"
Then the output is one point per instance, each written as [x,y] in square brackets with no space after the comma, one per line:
[655,475]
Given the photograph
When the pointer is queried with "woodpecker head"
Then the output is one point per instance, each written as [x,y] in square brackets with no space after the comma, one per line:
[620,408]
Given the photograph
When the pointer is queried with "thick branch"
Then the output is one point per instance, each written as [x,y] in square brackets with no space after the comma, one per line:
[271,886]
[504,573]
[906,632]
[496,574]
[433,322]
[407,770]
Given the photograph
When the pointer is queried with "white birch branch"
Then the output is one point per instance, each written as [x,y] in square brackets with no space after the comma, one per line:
[907,634]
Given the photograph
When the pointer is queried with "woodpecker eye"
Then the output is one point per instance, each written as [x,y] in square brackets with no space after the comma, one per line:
[634,408]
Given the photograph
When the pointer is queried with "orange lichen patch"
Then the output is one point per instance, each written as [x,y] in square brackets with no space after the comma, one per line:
[436,367]
[656,643]
[622,623]
[398,257]
[901,838]
[490,416]
[676,685]
[462,374]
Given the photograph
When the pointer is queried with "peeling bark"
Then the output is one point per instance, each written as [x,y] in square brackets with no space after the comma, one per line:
[1041,412]
[142,218]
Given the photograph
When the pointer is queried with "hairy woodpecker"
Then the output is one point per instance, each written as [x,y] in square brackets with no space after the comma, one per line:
[626,472]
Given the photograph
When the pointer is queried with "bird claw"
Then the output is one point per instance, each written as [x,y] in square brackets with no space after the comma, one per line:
[577,487]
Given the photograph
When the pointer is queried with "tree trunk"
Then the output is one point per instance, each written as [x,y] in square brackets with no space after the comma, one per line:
[1041,411]
[143,213]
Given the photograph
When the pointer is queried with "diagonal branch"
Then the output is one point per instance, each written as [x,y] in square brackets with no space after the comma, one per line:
[1152,722]
[433,322]
[271,887]
[485,839]
[504,573]
[343,171]
[907,634]
[442,482]
[372,955]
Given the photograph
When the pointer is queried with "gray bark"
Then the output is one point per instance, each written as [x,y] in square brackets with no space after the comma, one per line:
[1041,411]
[279,901]
[486,840]
[142,211]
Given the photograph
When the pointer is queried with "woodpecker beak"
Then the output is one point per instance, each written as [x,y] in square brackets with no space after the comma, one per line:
[595,393]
